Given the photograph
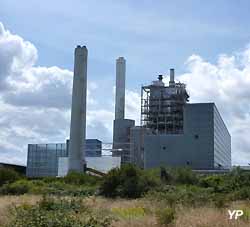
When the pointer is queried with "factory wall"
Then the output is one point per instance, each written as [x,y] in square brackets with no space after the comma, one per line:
[137,136]
[42,159]
[196,147]
[121,138]
[93,147]
[222,142]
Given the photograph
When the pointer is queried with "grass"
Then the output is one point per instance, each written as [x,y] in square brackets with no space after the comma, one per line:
[126,197]
[140,212]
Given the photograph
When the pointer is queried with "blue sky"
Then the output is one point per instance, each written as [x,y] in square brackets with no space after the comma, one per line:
[153,36]
[207,42]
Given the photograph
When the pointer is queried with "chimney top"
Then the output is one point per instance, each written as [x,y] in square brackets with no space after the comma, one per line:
[160,77]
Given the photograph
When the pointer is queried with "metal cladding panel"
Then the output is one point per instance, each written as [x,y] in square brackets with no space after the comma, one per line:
[193,148]
[222,143]
[122,130]
[43,159]
[121,138]
[137,136]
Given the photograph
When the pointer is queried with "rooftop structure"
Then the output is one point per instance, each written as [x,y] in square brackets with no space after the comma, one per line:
[162,106]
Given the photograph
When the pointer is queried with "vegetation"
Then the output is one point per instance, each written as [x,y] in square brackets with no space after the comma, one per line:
[129,195]
[57,213]
[8,176]
[165,216]
[126,182]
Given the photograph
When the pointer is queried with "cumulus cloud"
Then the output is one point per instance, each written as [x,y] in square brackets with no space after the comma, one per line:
[22,83]
[35,101]
[227,83]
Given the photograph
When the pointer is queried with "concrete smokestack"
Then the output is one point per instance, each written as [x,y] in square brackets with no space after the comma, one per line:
[120,88]
[171,81]
[78,111]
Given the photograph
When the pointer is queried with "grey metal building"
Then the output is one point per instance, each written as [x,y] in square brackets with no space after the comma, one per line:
[175,133]
[205,143]
[121,139]
[93,148]
[42,159]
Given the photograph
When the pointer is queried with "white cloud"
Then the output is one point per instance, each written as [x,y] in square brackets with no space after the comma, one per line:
[35,101]
[227,83]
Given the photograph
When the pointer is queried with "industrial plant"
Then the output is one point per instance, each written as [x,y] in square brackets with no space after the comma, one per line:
[172,131]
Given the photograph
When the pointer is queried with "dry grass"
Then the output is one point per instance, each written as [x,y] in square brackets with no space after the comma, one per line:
[186,216]
[7,201]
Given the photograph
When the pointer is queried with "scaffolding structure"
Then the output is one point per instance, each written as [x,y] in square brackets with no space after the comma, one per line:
[162,107]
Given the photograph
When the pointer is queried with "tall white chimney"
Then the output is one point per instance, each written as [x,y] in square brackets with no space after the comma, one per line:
[120,88]
[171,81]
[78,111]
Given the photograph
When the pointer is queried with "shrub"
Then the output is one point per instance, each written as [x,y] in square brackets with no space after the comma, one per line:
[165,216]
[241,194]
[184,194]
[80,179]
[165,176]
[211,181]
[59,188]
[237,179]
[57,213]
[8,176]
[185,176]
[220,201]
[111,181]
[128,182]
[16,188]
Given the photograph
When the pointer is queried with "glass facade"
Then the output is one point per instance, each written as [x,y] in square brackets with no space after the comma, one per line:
[93,148]
[43,159]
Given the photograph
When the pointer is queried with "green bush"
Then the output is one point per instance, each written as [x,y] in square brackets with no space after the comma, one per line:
[80,179]
[57,213]
[111,182]
[127,182]
[184,176]
[59,188]
[8,176]
[220,201]
[211,181]
[165,216]
[181,194]
[239,178]
[241,194]
[16,188]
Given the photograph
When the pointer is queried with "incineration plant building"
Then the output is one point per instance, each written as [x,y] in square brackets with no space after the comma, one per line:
[172,133]
[176,133]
